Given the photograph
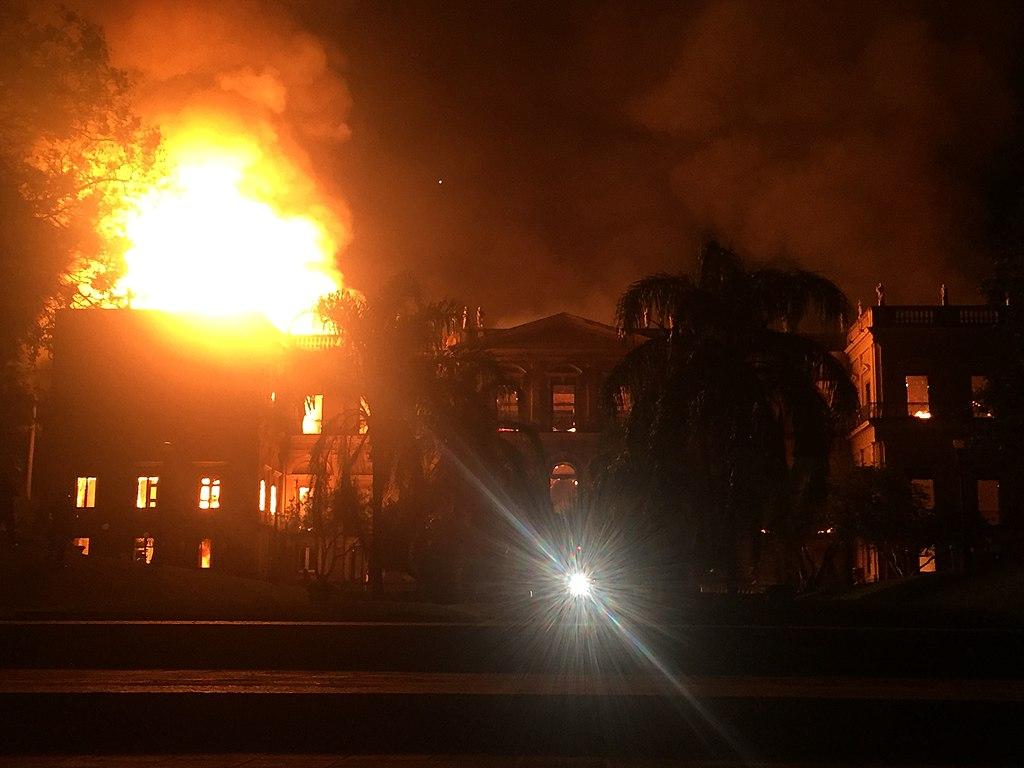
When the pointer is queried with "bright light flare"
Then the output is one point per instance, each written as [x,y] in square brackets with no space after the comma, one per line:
[229,231]
[579,584]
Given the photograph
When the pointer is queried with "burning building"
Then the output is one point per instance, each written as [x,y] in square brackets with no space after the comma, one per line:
[169,441]
[190,443]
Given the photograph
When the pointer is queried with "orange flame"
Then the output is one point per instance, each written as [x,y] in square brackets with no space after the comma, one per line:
[231,228]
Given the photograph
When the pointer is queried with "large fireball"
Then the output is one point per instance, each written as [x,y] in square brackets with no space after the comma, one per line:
[229,230]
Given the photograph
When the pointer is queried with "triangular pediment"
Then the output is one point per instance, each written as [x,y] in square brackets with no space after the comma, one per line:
[561,332]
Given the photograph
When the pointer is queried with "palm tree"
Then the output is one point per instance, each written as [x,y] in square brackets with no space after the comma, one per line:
[423,407]
[733,410]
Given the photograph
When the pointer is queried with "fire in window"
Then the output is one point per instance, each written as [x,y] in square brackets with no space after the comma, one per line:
[273,499]
[146,493]
[917,397]
[209,493]
[926,560]
[81,544]
[313,415]
[85,493]
[143,552]
[263,495]
[364,415]
[563,407]
[205,553]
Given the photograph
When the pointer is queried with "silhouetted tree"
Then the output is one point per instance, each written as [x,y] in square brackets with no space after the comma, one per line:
[424,403]
[733,411]
[71,147]
[880,507]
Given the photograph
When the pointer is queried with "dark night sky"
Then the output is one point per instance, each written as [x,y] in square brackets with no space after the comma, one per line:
[584,144]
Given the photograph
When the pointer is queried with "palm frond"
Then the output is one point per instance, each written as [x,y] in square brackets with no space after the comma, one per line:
[788,295]
[717,266]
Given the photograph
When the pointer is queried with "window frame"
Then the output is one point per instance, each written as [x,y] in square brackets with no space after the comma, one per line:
[210,487]
[914,407]
[85,491]
[574,424]
[312,414]
[147,487]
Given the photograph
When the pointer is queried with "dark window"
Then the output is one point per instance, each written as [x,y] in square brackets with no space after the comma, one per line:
[979,408]
[623,404]
[507,403]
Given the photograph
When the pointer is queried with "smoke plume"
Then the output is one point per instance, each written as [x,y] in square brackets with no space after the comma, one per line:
[845,136]
[240,66]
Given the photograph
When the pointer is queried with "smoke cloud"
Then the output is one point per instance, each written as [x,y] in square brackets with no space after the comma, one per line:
[844,136]
[583,145]
[240,66]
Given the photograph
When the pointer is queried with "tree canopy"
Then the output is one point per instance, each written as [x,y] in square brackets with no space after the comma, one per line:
[733,409]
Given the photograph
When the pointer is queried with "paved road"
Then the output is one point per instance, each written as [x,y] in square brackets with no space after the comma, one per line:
[776,694]
[889,652]
[107,681]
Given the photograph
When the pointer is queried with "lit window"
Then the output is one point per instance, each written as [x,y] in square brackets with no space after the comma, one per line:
[925,491]
[507,403]
[143,552]
[313,417]
[979,408]
[926,560]
[146,495]
[988,501]
[205,553]
[364,414]
[263,495]
[81,544]
[563,407]
[563,486]
[85,496]
[273,499]
[917,397]
[209,493]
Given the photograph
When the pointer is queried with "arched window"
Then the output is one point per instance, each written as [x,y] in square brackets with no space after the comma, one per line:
[563,486]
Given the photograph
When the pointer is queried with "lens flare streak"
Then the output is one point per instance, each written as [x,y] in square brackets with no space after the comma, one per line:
[589,606]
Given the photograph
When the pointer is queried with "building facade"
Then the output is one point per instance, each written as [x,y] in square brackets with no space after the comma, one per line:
[191,444]
[921,374]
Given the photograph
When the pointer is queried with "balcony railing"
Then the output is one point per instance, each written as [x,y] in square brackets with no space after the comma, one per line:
[919,412]
[314,342]
[929,315]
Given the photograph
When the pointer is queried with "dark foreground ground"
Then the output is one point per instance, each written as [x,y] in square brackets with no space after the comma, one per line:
[361,761]
[929,672]
[751,694]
